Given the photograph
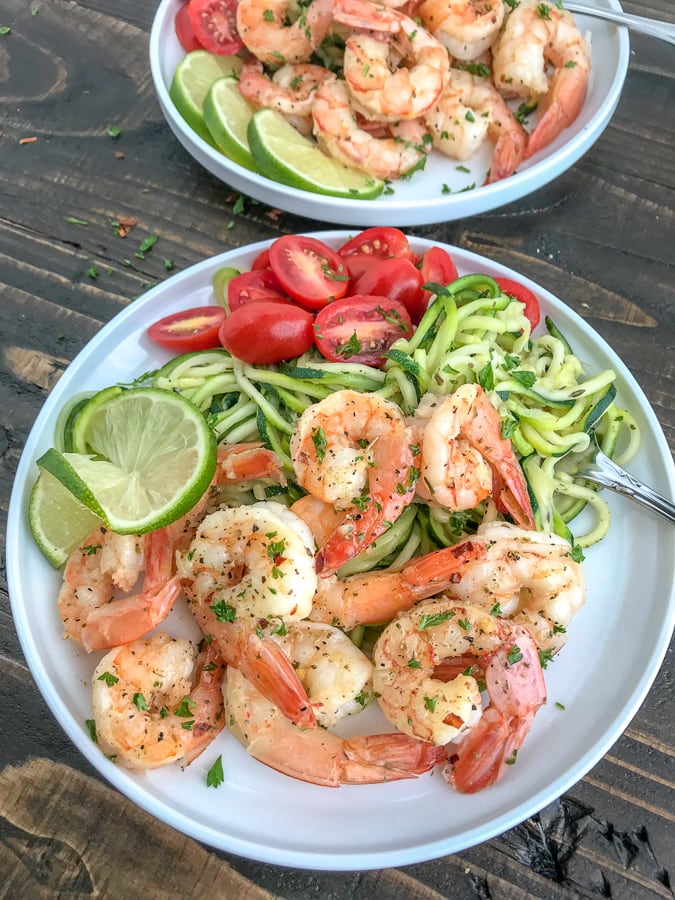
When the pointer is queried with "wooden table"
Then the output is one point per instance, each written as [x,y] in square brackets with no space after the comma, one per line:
[601,236]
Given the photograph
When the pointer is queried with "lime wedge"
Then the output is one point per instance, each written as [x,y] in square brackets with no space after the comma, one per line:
[283,154]
[227,115]
[57,519]
[191,82]
[155,457]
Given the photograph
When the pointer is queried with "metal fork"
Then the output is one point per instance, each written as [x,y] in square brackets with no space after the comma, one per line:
[604,471]
[665,31]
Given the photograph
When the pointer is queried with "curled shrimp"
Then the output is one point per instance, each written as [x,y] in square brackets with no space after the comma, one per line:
[339,134]
[156,701]
[535,35]
[466,27]
[248,565]
[469,110]
[356,452]
[529,576]
[290,90]
[381,88]
[320,756]
[450,711]
[92,612]
[278,31]
[464,457]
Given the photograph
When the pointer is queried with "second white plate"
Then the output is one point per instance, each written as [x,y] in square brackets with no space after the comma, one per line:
[423,199]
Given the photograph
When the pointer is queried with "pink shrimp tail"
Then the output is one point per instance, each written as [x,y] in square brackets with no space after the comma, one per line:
[508,154]
[267,667]
[130,618]
[372,759]
[515,684]
[243,462]
[564,101]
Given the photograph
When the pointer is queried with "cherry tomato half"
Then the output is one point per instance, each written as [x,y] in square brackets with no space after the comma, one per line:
[251,287]
[397,279]
[184,32]
[436,267]
[360,329]
[359,263]
[382,241]
[262,260]
[525,296]
[267,332]
[308,270]
[214,23]
[190,329]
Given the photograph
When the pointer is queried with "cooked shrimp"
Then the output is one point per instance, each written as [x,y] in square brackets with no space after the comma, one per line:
[469,110]
[280,31]
[319,756]
[91,613]
[246,566]
[156,702]
[421,705]
[529,576]
[464,457]
[380,88]
[339,135]
[337,676]
[466,27]
[536,34]
[375,597]
[290,90]
[355,451]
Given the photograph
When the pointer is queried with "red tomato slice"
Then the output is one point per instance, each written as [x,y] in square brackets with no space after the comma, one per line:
[190,329]
[360,329]
[359,263]
[397,279]
[267,332]
[251,287]
[436,267]
[262,260]
[308,270]
[184,32]
[381,241]
[524,295]
[214,23]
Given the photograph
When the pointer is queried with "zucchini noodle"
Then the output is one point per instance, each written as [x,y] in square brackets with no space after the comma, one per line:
[472,333]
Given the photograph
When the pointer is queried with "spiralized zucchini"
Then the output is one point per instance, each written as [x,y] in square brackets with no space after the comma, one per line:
[471,333]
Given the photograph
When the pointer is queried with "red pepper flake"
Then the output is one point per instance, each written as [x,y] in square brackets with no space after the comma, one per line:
[28,140]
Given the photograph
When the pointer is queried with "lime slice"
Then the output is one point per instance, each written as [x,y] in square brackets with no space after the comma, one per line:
[77,440]
[227,115]
[283,154]
[156,457]
[57,519]
[191,82]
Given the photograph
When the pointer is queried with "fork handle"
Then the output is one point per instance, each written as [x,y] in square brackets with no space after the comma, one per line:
[608,474]
[653,27]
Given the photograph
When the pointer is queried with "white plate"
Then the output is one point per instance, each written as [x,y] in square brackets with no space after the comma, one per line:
[420,200]
[601,677]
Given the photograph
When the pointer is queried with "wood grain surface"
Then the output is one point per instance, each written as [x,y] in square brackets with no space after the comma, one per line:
[602,236]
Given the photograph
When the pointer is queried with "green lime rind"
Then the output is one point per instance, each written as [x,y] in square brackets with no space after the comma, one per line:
[79,427]
[191,82]
[227,114]
[283,154]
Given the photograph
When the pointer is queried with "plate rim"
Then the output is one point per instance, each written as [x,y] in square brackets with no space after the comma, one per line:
[406,213]
[351,861]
